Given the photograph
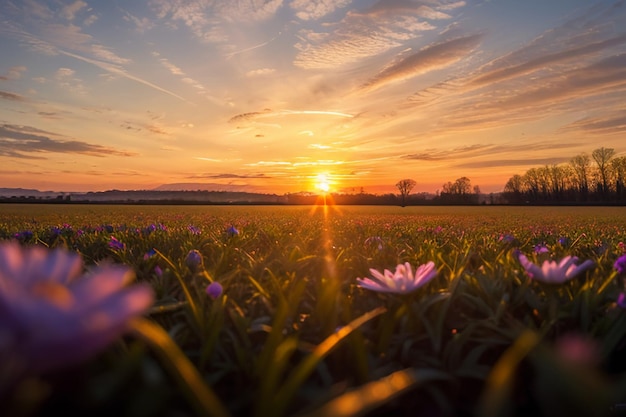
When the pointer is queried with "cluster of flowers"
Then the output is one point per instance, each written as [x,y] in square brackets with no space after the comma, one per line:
[56,312]
[404,281]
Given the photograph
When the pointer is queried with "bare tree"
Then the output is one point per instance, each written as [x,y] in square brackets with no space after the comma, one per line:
[405,186]
[580,165]
[603,156]
[514,185]
[618,169]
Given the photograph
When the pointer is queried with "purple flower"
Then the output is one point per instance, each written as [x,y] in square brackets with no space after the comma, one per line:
[214,290]
[194,260]
[552,272]
[149,254]
[149,229]
[53,314]
[24,235]
[620,264]
[564,241]
[194,230]
[158,271]
[621,300]
[538,249]
[232,231]
[402,281]
[116,244]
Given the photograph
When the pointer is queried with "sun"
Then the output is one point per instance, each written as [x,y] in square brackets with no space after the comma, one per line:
[322,183]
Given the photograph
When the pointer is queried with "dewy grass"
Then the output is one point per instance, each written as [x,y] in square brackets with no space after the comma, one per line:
[266,316]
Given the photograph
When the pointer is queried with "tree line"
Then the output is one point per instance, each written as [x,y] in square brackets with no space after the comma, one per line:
[599,178]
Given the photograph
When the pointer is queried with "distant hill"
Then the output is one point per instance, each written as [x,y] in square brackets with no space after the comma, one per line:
[28,192]
[203,186]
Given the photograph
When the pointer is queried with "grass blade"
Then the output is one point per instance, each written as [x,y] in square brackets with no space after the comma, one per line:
[199,394]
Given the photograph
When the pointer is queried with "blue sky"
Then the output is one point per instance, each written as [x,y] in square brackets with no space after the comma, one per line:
[273,95]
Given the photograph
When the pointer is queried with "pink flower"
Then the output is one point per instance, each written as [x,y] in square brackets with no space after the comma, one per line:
[402,281]
[53,314]
[552,272]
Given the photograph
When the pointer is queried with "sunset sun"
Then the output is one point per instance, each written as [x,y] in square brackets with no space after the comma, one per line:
[322,183]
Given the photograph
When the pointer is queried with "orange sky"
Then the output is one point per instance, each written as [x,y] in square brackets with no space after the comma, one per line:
[268,95]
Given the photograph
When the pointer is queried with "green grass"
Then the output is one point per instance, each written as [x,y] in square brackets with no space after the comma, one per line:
[294,335]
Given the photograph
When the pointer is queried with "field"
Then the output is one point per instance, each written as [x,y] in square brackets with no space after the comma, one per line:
[291,333]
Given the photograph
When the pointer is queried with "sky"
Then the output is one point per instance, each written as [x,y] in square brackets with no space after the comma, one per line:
[285,96]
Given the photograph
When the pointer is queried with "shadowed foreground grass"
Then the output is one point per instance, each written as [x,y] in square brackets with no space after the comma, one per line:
[292,334]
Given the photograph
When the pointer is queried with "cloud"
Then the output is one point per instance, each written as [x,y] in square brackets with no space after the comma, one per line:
[11,96]
[500,163]
[105,54]
[142,25]
[251,116]
[205,19]
[315,9]
[260,72]
[227,176]
[606,74]
[363,34]
[245,117]
[484,151]
[14,73]
[119,71]
[428,59]
[442,154]
[601,125]
[29,142]
[542,61]
[69,12]
[565,65]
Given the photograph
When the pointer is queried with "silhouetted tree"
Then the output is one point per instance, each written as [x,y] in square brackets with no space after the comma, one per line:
[514,189]
[603,156]
[580,165]
[618,171]
[405,186]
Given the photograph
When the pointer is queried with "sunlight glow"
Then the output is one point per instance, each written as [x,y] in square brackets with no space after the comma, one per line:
[322,184]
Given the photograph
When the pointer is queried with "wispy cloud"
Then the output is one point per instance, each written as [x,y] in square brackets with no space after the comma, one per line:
[69,11]
[442,154]
[206,19]
[266,113]
[581,59]
[367,33]
[14,73]
[113,69]
[226,176]
[427,59]
[11,96]
[63,39]
[541,62]
[613,123]
[315,9]
[522,162]
[29,142]
[141,24]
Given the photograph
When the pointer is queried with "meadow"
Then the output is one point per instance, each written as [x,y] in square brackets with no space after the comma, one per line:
[290,332]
